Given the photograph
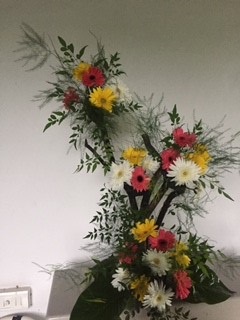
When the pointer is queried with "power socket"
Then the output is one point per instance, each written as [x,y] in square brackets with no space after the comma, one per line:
[15,298]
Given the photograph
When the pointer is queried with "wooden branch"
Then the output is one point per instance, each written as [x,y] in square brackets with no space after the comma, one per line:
[131,196]
[178,191]
[149,146]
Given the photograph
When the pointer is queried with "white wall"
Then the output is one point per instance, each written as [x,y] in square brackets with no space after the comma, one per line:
[188,50]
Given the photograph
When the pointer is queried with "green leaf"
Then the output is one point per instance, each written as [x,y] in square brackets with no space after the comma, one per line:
[71,47]
[81,52]
[100,300]
[48,125]
[209,289]
[62,42]
[227,196]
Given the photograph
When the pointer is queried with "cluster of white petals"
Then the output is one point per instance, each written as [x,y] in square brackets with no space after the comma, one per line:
[158,297]
[120,279]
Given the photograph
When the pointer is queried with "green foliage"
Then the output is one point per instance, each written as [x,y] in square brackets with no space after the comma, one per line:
[174,116]
[55,117]
[178,313]
[114,220]
[100,299]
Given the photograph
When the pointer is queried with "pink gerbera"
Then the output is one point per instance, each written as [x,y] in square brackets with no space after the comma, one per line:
[129,255]
[163,242]
[70,97]
[184,139]
[168,156]
[184,283]
[140,181]
[93,77]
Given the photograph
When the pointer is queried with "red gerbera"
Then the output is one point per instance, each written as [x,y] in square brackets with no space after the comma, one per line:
[93,77]
[184,139]
[168,156]
[70,96]
[140,181]
[129,255]
[163,242]
[184,283]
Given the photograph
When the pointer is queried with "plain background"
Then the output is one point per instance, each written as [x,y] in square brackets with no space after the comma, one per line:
[187,51]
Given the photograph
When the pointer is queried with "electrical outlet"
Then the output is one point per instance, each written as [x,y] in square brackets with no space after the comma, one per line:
[15,298]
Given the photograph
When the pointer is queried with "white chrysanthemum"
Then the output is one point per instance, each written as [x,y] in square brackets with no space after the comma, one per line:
[120,278]
[120,90]
[149,164]
[157,297]
[158,261]
[184,172]
[119,174]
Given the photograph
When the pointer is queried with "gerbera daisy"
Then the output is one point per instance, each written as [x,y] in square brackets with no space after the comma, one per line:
[149,164]
[180,255]
[158,261]
[70,96]
[144,230]
[183,283]
[93,77]
[129,254]
[165,241]
[201,157]
[140,181]
[120,279]
[121,91]
[140,287]
[184,139]
[134,156]
[103,98]
[158,297]
[184,172]
[119,174]
[80,70]
[168,156]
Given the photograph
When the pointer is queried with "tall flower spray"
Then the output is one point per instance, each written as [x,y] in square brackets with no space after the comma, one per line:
[149,266]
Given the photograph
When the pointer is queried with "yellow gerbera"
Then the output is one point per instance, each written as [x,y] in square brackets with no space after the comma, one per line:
[140,287]
[103,98]
[201,157]
[135,156]
[145,230]
[181,258]
[80,70]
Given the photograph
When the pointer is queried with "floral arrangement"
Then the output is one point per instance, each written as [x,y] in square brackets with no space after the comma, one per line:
[167,170]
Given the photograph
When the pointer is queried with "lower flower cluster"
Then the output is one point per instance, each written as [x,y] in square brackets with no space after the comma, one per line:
[155,267]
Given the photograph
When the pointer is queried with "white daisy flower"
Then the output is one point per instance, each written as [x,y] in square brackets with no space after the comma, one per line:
[158,261]
[120,278]
[184,172]
[119,174]
[120,90]
[158,297]
[150,165]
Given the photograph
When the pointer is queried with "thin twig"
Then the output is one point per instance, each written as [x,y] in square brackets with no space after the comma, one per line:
[94,152]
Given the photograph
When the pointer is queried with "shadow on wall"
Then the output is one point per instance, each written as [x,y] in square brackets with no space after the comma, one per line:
[66,287]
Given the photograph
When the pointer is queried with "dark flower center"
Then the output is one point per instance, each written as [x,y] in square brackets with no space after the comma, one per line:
[140,178]
[92,77]
[162,243]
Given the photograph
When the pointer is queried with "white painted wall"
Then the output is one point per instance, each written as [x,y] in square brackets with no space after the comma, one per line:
[188,50]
